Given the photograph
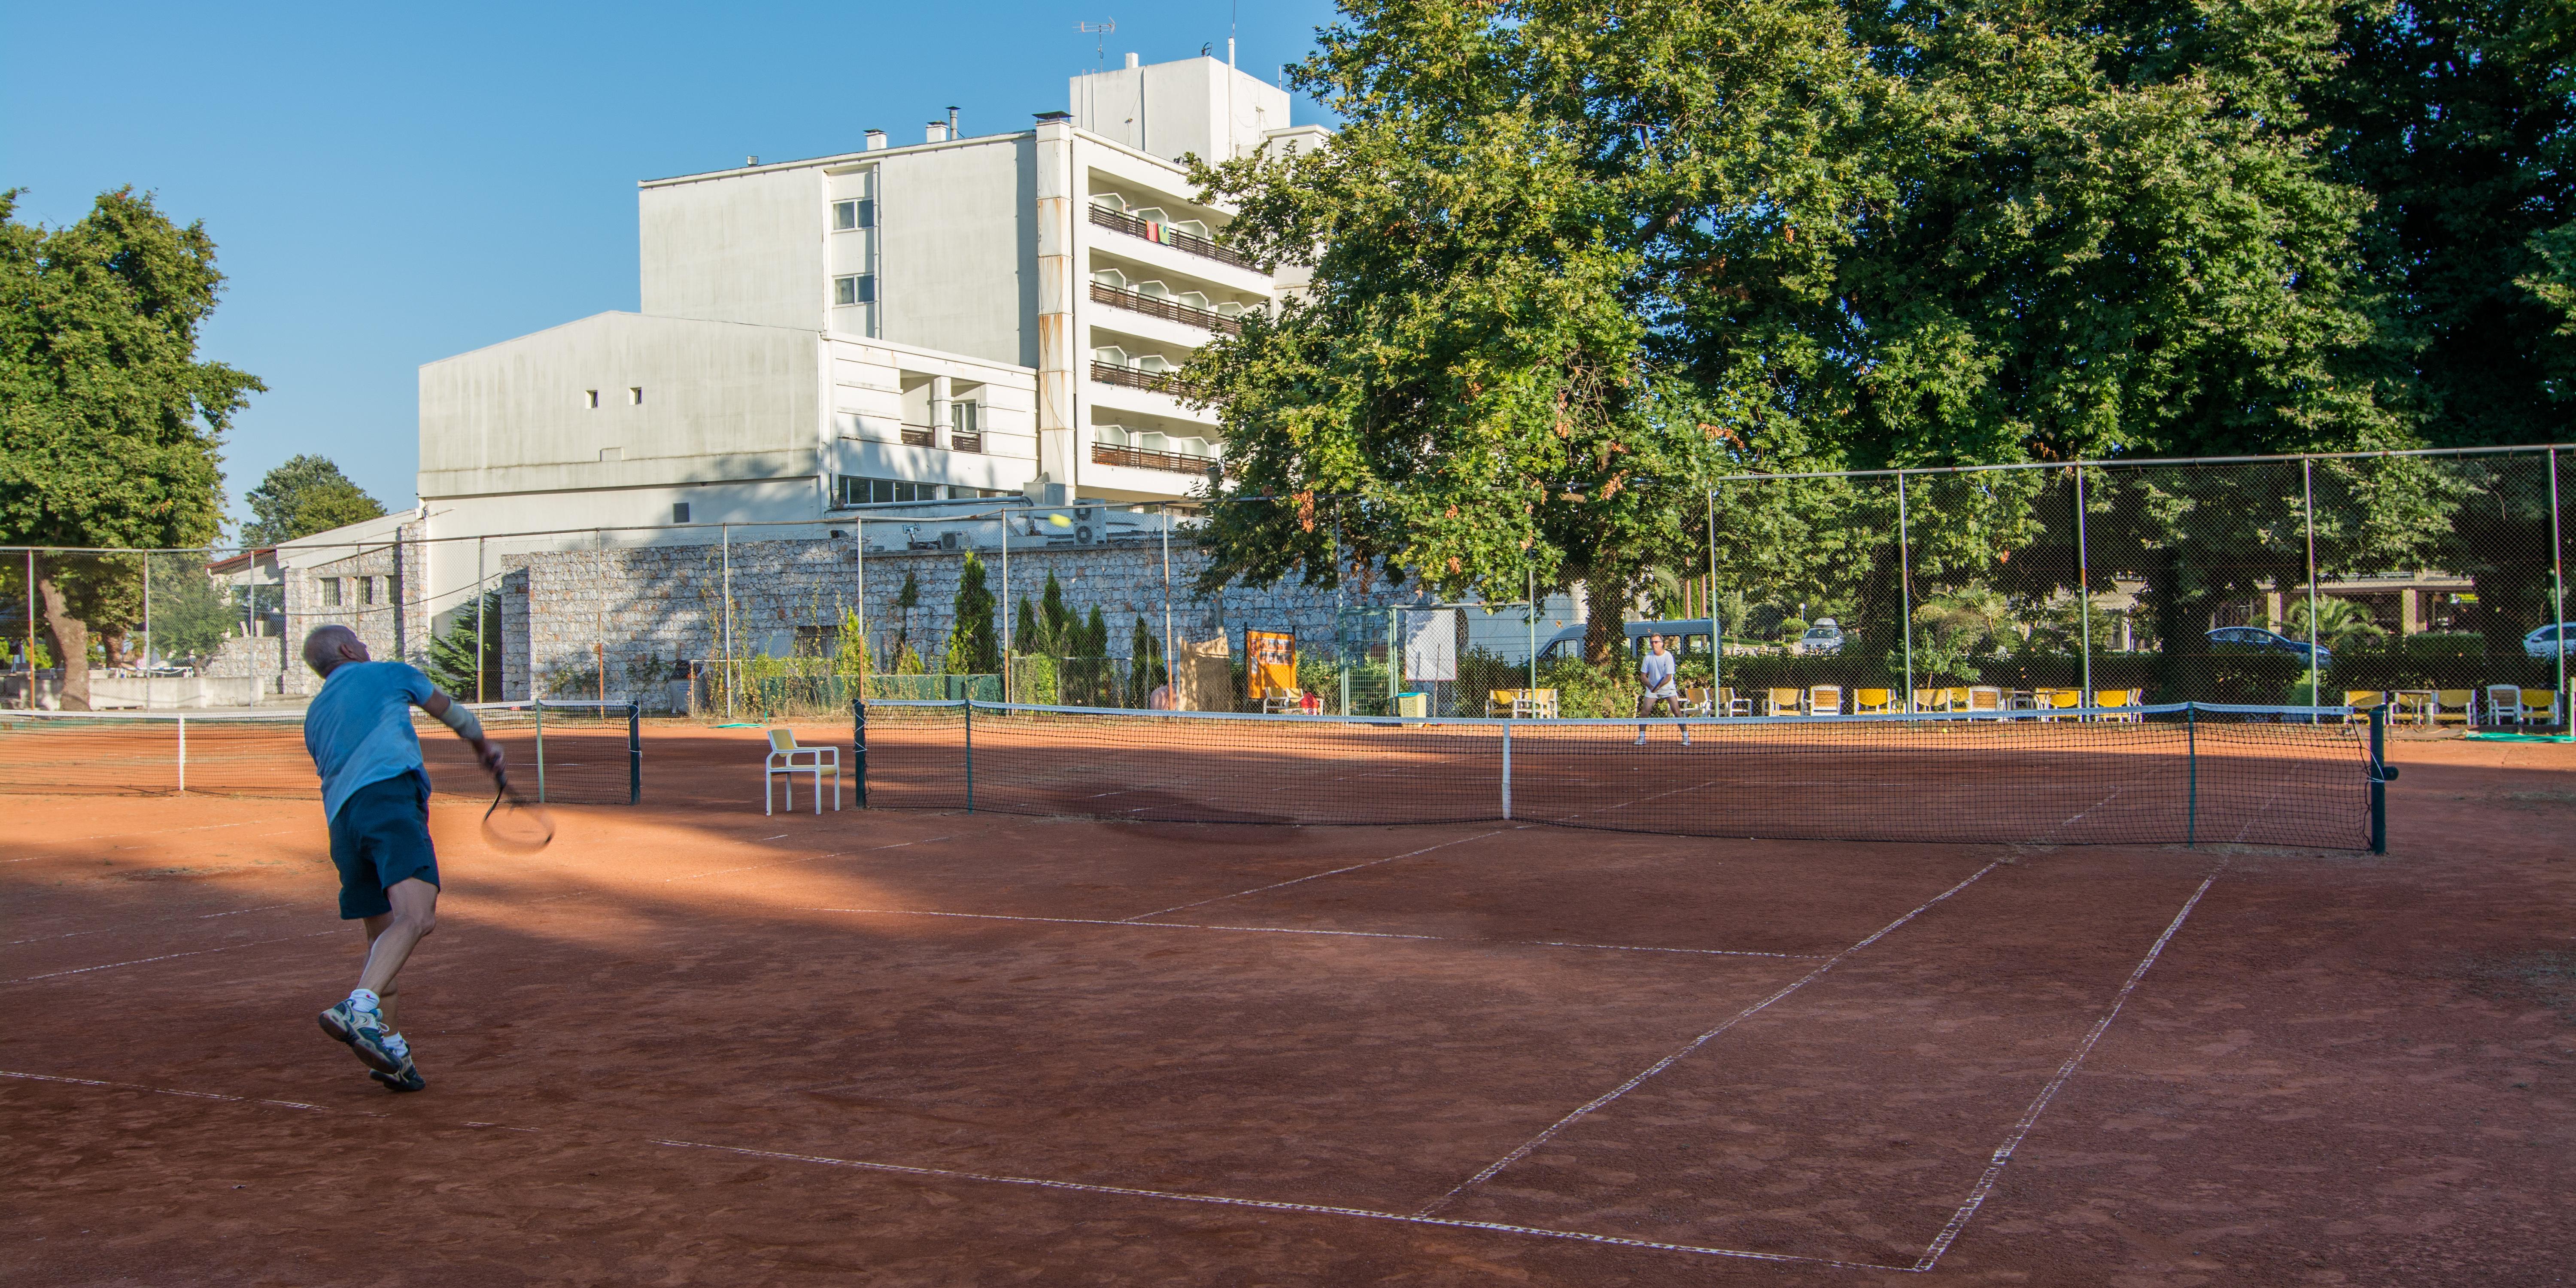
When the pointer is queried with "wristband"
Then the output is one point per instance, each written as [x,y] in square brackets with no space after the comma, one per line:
[456,717]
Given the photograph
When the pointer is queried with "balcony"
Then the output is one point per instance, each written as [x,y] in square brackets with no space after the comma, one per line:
[1161,382]
[926,436]
[1163,235]
[1146,459]
[1168,310]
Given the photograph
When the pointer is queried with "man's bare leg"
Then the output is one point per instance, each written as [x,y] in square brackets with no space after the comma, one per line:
[392,936]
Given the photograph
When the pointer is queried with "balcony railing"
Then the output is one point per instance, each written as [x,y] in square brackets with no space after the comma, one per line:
[959,441]
[1161,382]
[917,436]
[1170,310]
[927,436]
[1140,458]
[1166,235]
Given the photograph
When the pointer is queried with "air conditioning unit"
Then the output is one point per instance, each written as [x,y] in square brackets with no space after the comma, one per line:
[953,541]
[1079,525]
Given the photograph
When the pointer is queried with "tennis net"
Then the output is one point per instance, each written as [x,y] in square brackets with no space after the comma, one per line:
[573,752]
[2184,774]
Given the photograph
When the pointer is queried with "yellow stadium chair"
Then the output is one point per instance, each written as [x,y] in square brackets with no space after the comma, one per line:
[1871,701]
[1730,705]
[2361,701]
[2455,704]
[1780,702]
[2062,700]
[786,760]
[2539,706]
[1927,699]
[2118,698]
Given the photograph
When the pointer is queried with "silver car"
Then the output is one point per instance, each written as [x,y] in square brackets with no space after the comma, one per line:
[2550,640]
[1824,639]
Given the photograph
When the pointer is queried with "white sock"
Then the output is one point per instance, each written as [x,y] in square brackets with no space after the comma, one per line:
[363,1000]
[394,1043]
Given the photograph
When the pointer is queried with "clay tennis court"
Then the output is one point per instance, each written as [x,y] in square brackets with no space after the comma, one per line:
[692,1044]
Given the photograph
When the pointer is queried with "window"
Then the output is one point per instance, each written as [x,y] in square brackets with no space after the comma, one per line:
[680,512]
[330,592]
[847,215]
[635,396]
[961,418]
[590,397]
[861,289]
[863,491]
[366,590]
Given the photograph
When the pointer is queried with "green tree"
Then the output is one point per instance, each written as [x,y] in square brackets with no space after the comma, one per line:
[1145,671]
[466,660]
[972,648]
[1574,259]
[906,600]
[307,494]
[191,615]
[109,424]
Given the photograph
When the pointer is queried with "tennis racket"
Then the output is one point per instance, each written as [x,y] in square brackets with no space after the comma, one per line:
[514,823]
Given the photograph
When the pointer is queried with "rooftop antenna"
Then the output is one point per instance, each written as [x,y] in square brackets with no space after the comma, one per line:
[1101,32]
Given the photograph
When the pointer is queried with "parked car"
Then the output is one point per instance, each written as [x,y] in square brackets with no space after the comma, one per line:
[1824,639]
[1687,638]
[2269,642]
[2560,638]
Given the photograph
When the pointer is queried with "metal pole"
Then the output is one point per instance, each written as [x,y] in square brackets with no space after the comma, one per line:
[1005,609]
[146,654]
[1905,587]
[1716,628]
[2558,594]
[2379,776]
[2316,680]
[481,647]
[2191,763]
[1507,771]
[31,635]
[724,532]
[859,751]
[599,608]
[541,743]
[2084,585]
[867,649]
[634,754]
[183,754]
[970,752]
[1533,630]
[1171,690]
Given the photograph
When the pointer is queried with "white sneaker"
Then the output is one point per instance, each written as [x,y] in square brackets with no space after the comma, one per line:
[1641,737]
[1685,736]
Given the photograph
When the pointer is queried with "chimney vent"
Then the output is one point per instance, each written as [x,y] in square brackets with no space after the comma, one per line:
[937,132]
[952,121]
[876,139]
[1131,61]
[751,160]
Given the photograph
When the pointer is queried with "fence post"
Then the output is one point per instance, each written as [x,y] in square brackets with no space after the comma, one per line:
[2557,596]
[2084,584]
[2316,676]
[1716,628]
[970,755]
[859,751]
[183,742]
[634,753]
[1004,606]
[540,705]
[2380,773]
[1905,586]
[2191,761]
[1507,771]
[725,535]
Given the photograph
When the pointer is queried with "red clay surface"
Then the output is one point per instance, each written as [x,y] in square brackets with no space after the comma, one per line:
[691,1044]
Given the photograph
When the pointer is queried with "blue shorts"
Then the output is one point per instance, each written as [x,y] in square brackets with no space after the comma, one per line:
[380,838]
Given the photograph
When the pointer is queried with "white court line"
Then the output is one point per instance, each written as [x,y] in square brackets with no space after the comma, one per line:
[143,961]
[810,858]
[1693,1045]
[185,916]
[1276,1205]
[158,831]
[1319,875]
[2012,1140]
[169,1091]
[1305,930]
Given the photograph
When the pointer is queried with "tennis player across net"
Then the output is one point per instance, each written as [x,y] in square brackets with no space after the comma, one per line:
[2185,774]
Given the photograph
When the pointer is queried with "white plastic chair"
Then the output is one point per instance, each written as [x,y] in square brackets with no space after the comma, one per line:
[2504,704]
[786,760]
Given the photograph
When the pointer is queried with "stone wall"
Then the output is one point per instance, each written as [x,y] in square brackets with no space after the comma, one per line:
[649,612]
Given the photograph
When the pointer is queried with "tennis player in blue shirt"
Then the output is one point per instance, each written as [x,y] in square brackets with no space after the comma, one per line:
[375,795]
[1655,672]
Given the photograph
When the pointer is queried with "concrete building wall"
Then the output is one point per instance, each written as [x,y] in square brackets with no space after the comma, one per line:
[737,246]
[1169,110]
[958,266]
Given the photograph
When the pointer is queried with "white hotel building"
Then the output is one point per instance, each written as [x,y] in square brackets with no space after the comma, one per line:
[955,318]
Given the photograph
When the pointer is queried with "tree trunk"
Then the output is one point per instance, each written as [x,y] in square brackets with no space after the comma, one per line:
[1605,618]
[68,636]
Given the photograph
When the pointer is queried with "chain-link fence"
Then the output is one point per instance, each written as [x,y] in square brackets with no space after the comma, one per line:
[2431,581]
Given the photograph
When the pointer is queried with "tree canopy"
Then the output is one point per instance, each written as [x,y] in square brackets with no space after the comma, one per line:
[110,425]
[305,495]
[1574,259]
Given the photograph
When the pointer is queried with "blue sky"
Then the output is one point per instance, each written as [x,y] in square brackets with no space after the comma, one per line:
[391,186]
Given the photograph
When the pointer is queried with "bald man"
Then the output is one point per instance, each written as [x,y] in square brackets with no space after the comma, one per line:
[375,795]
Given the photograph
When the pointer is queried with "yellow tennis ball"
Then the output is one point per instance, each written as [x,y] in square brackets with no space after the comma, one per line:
[1059,521]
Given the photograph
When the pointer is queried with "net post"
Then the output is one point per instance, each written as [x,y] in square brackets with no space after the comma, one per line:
[2191,761]
[634,753]
[541,748]
[2379,777]
[970,755]
[859,751]
[1507,771]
